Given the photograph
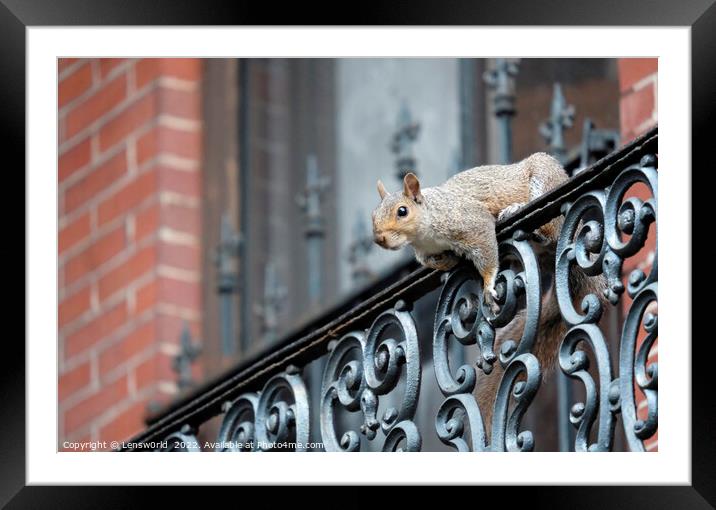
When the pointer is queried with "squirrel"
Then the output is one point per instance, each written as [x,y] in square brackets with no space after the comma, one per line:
[457,219]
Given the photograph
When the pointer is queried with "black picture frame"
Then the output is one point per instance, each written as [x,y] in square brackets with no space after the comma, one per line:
[17,15]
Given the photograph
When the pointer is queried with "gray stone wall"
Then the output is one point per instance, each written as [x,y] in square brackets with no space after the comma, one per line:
[369,93]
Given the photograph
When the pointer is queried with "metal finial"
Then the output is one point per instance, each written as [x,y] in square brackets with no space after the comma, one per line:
[227,252]
[359,249]
[405,135]
[561,117]
[310,199]
[183,361]
[310,203]
[273,299]
[596,143]
[227,278]
[501,79]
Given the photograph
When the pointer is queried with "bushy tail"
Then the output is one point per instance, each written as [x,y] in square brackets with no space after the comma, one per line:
[552,329]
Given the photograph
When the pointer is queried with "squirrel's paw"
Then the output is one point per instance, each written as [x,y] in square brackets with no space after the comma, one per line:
[509,211]
[490,297]
[442,261]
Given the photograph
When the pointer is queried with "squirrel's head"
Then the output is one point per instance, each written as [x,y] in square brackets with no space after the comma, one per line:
[396,219]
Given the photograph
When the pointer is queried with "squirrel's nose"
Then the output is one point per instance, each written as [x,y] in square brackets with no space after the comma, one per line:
[379,239]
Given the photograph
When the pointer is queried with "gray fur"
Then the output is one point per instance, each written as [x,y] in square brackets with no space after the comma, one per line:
[459,215]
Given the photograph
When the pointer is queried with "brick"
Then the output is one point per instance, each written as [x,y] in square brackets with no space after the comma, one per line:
[145,374]
[155,369]
[74,159]
[169,328]
[127,198]
[74,85]
[636,108]
[107,197]
[99,252]
[73,306]
[166,140]
[141,262]
[146,222]
[183,68]
[74,232]
[146,297]
[73,380]
[133,117]
[95,181]
[146,70]
[643,413]
[126,424]
[127,347]
[642,256]
[61,137]
[147,146]
[97,329]
[184,182]
[181,218]
[179,293]
[185,144]
[180,256]
[179,103]
[107,65]
[95,405]
[64,63]
[632,70]
[149,69]
[95,106]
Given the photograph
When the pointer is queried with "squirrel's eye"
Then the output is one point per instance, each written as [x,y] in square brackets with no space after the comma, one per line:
[402,211]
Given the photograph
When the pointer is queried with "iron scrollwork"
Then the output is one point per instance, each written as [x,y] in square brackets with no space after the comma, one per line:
[634,367]
[575,363]
[601,230]
[237,432]
[460,316]
[276,418]
[361,368]
[374,375]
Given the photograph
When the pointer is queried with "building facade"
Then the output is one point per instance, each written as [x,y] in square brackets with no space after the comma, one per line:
[198,197]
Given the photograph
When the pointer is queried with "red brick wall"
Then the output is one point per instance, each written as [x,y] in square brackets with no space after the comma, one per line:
[638,112]
[129,229]
[638,85]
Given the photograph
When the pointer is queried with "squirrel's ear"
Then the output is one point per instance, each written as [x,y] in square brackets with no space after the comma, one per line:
[411,187]
[381,189]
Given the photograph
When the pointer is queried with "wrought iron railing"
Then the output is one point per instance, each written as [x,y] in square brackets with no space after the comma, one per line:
[376,366]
